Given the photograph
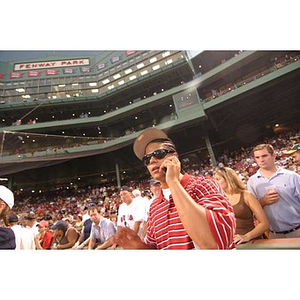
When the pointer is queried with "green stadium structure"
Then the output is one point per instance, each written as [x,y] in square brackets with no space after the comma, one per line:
[65,117]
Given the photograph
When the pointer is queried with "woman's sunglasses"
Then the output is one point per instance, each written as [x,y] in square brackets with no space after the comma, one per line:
[158,154]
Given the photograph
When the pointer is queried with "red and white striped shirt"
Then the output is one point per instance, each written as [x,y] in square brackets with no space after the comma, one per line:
[165,229]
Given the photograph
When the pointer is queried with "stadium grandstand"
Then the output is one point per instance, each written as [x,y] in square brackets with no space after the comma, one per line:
[70,117]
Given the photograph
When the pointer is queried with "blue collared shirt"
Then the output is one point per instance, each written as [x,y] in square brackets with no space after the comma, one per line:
[285,213]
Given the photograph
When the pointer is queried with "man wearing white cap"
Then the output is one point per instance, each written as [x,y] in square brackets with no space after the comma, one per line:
[7,236]
[190,212]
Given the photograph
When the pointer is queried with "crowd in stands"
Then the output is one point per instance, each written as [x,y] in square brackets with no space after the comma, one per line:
[71,205]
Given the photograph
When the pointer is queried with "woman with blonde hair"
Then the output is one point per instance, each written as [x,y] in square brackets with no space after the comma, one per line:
[246,207]
[7,236]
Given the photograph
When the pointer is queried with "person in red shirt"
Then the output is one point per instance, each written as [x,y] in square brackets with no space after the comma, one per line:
[191,212]
[44,238]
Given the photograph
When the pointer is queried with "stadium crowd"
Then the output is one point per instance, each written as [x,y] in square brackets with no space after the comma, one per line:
[75,213]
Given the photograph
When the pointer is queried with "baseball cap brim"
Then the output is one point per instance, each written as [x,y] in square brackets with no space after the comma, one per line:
[145,138]
[289,152]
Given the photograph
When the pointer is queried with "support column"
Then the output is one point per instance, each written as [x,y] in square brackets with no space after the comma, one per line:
[118,175]
[210,150]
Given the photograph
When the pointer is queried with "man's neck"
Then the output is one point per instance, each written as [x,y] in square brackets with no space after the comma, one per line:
[268,172]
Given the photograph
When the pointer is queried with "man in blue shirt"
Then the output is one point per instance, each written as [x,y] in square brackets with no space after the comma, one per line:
[278,191]
[102,230]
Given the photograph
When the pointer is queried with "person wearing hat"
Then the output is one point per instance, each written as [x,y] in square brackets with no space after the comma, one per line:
[31,222]
[294,152]
[65,236]
[190,212]
[7,236]
[155,189]
[24,236]
[43,240]
[131,212]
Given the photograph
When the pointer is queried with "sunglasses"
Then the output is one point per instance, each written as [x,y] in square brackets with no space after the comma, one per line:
[158,154]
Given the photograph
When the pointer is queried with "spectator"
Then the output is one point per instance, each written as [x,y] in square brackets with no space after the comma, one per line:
[155,189]
[130,213]
[195,206]
[31,222]
[65,237]
[24,236]
[43,240]
[294,152]
[83,240]
[7,236]
[244,204]
[142,203]
[102,230]
[278,191]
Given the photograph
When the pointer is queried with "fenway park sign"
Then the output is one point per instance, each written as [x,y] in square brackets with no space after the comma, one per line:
[51,64]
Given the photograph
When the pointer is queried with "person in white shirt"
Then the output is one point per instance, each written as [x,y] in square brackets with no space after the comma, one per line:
[130,214]
[31,223]
[24,236]
[142,202]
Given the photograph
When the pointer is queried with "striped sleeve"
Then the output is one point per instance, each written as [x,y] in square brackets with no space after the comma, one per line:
[219,211]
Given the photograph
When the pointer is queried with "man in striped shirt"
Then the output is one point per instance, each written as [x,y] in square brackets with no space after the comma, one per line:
[191,212]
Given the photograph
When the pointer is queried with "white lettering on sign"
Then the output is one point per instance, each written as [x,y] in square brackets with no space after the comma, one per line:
[51,64]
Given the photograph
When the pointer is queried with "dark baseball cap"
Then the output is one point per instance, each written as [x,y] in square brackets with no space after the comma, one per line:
[153,182]
[60,225]
[126,188]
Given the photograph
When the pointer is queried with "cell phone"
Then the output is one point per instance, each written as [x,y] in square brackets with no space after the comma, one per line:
[164,170]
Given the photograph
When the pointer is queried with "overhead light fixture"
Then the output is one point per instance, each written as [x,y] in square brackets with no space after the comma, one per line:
[132,77]
[93,84]
[116,76]
[128,71]
[75,84]
[140,65]
[169,61]
[95,90]
[144,72]
[105,81]
[20,90]
[155,67]
[26,96]
[153,59]
[111,87]
[121,82]
[167,53]
[61,85]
